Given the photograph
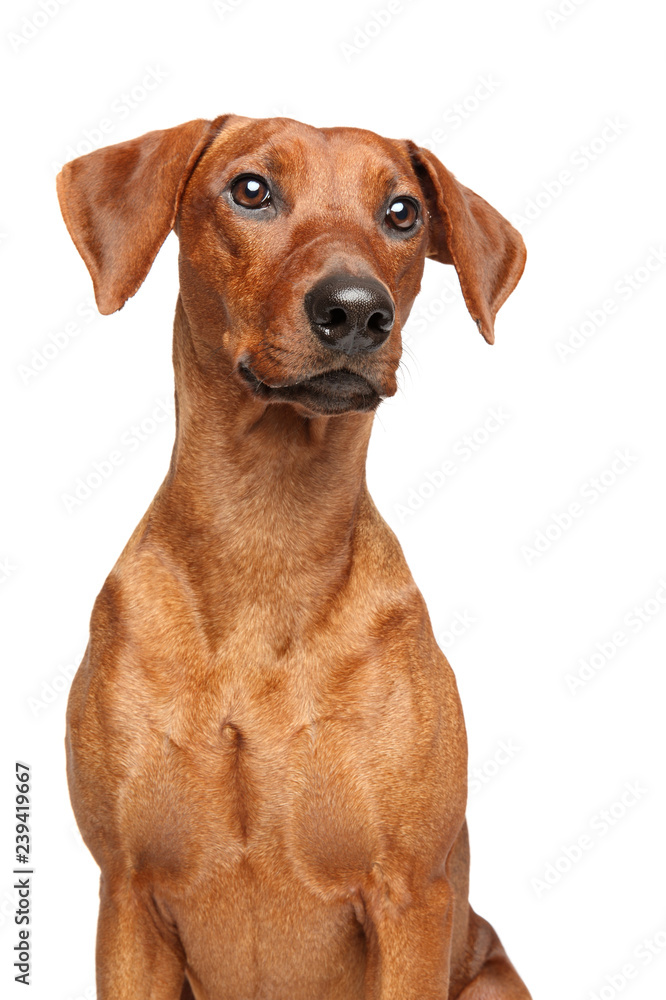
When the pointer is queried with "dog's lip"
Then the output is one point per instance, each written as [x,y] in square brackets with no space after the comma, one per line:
[329,392]
[339,380]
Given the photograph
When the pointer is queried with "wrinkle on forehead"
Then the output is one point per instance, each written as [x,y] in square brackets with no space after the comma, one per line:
[339,156]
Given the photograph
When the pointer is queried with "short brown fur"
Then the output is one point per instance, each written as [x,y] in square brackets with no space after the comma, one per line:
[266,750]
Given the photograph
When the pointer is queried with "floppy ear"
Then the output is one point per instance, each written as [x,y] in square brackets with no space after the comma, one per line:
[486,251]
[120,203]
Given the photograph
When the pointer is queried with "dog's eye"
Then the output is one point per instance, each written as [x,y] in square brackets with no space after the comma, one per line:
[402,214]
[251,192]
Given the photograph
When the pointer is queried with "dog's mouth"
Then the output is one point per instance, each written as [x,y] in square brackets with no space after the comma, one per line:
[330,392]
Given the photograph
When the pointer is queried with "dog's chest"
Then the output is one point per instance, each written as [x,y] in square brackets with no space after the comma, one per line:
[242,776]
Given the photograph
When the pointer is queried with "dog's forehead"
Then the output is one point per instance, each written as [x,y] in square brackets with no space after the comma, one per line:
[286,149]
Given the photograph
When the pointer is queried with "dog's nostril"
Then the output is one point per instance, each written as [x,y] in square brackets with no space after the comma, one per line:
[337,316]
[381,321]
[350,314]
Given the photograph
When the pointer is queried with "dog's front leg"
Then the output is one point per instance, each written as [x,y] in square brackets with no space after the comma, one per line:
[409,943]
[139,956]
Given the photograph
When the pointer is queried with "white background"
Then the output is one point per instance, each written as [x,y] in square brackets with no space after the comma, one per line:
[551,86]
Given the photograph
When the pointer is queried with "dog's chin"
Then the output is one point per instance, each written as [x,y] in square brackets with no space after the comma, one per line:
[329,393]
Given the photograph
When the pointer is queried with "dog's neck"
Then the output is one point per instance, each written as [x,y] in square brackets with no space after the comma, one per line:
[258,484]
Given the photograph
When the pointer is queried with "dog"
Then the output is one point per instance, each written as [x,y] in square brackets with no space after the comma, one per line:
[266,752]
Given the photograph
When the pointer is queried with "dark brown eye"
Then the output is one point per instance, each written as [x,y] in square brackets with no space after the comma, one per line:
[251,192]
[402,214]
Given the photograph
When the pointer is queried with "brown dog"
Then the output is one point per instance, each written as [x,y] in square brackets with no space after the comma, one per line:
[266,750]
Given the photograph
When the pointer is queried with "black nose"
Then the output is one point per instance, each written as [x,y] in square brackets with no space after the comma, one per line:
[350,314]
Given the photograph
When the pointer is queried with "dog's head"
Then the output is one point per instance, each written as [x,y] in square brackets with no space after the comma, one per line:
[301,249]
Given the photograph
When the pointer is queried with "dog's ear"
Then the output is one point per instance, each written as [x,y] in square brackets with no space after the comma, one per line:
[486,251]
[120,203]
